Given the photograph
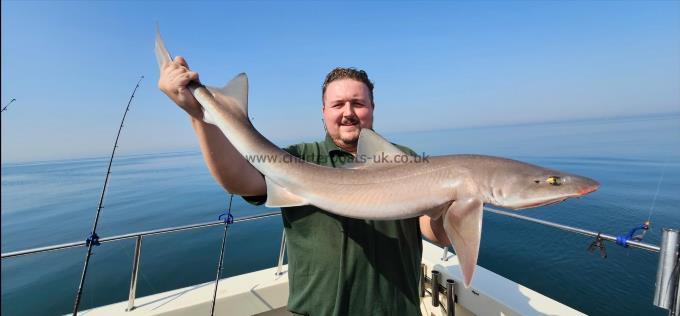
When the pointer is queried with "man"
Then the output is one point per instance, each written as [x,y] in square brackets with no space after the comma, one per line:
[337,265]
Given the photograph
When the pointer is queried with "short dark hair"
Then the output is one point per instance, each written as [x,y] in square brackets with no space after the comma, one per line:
[348,73]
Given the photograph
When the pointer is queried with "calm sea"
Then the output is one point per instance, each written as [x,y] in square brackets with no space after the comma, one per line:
[53,202]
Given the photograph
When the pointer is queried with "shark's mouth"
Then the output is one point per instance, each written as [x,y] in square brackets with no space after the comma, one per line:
[560,199]
[543,203]
[587,190]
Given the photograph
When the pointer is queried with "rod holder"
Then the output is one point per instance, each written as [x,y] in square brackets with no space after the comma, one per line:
[435,288]
[450,297]
[666,290]
[421,288]
[135,272]
[445,256]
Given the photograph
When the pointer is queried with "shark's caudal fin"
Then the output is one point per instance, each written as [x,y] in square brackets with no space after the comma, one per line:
[463,226]
[234,94]
[162,54]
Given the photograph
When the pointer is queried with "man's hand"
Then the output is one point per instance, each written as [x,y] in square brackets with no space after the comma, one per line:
[173,81]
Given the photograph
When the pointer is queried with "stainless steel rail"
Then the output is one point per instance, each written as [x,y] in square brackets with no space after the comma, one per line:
[138,246]
[134,235]
[631,243]
[634,244]
[139,235]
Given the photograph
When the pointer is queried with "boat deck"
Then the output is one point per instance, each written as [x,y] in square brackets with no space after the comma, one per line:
[265,293]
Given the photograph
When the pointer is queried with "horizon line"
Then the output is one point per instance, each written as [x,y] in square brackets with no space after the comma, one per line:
[493,125]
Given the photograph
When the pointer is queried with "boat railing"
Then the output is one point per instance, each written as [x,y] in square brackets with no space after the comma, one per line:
[666,293]
[160,231]
[138,246]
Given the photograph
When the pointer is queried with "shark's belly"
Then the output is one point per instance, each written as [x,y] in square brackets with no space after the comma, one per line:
[378,202]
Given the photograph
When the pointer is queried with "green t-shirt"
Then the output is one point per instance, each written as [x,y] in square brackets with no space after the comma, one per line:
[345,266]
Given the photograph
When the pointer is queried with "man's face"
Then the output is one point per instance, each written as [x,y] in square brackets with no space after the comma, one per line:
[347,108]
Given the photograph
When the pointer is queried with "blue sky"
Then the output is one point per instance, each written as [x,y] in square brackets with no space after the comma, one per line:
[72,65]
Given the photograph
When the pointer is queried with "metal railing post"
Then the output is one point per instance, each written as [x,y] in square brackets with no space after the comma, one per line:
[665,295]
[135,273]
[282,251]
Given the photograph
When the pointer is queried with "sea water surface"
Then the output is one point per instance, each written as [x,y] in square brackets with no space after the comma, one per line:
[636,160]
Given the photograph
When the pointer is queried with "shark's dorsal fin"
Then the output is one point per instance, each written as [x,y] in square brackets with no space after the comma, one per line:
[237,88]
[370,143]
[374,151]
[278,196]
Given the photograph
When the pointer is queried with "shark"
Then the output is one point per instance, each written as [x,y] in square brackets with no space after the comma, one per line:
[384,183]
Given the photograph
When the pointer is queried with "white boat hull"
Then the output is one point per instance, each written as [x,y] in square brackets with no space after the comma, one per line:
[264,293]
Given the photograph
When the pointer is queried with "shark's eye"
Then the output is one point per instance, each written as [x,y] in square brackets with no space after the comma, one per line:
[554,180]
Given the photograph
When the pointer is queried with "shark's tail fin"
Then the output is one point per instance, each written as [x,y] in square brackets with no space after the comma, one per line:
[233,95]
[162,54]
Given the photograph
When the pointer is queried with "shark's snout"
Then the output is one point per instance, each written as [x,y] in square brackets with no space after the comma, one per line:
[589,187]
[585,185]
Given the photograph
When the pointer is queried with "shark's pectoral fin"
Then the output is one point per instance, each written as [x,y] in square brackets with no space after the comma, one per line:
[278,196]
[463,226]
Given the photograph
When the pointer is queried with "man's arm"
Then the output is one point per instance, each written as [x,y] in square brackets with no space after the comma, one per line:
[227,166]
[433,230]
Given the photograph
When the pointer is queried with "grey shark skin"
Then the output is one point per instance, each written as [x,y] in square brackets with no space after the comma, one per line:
[453,187]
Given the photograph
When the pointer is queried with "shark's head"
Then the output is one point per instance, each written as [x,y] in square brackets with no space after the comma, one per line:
[526,186]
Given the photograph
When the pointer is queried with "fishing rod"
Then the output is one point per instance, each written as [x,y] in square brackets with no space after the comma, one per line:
[228,220]
[93,239]
[10,102]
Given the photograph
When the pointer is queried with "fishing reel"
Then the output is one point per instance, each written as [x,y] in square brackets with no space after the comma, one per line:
[622,240]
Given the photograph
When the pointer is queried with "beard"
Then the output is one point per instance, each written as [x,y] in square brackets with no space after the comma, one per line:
[349,134]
